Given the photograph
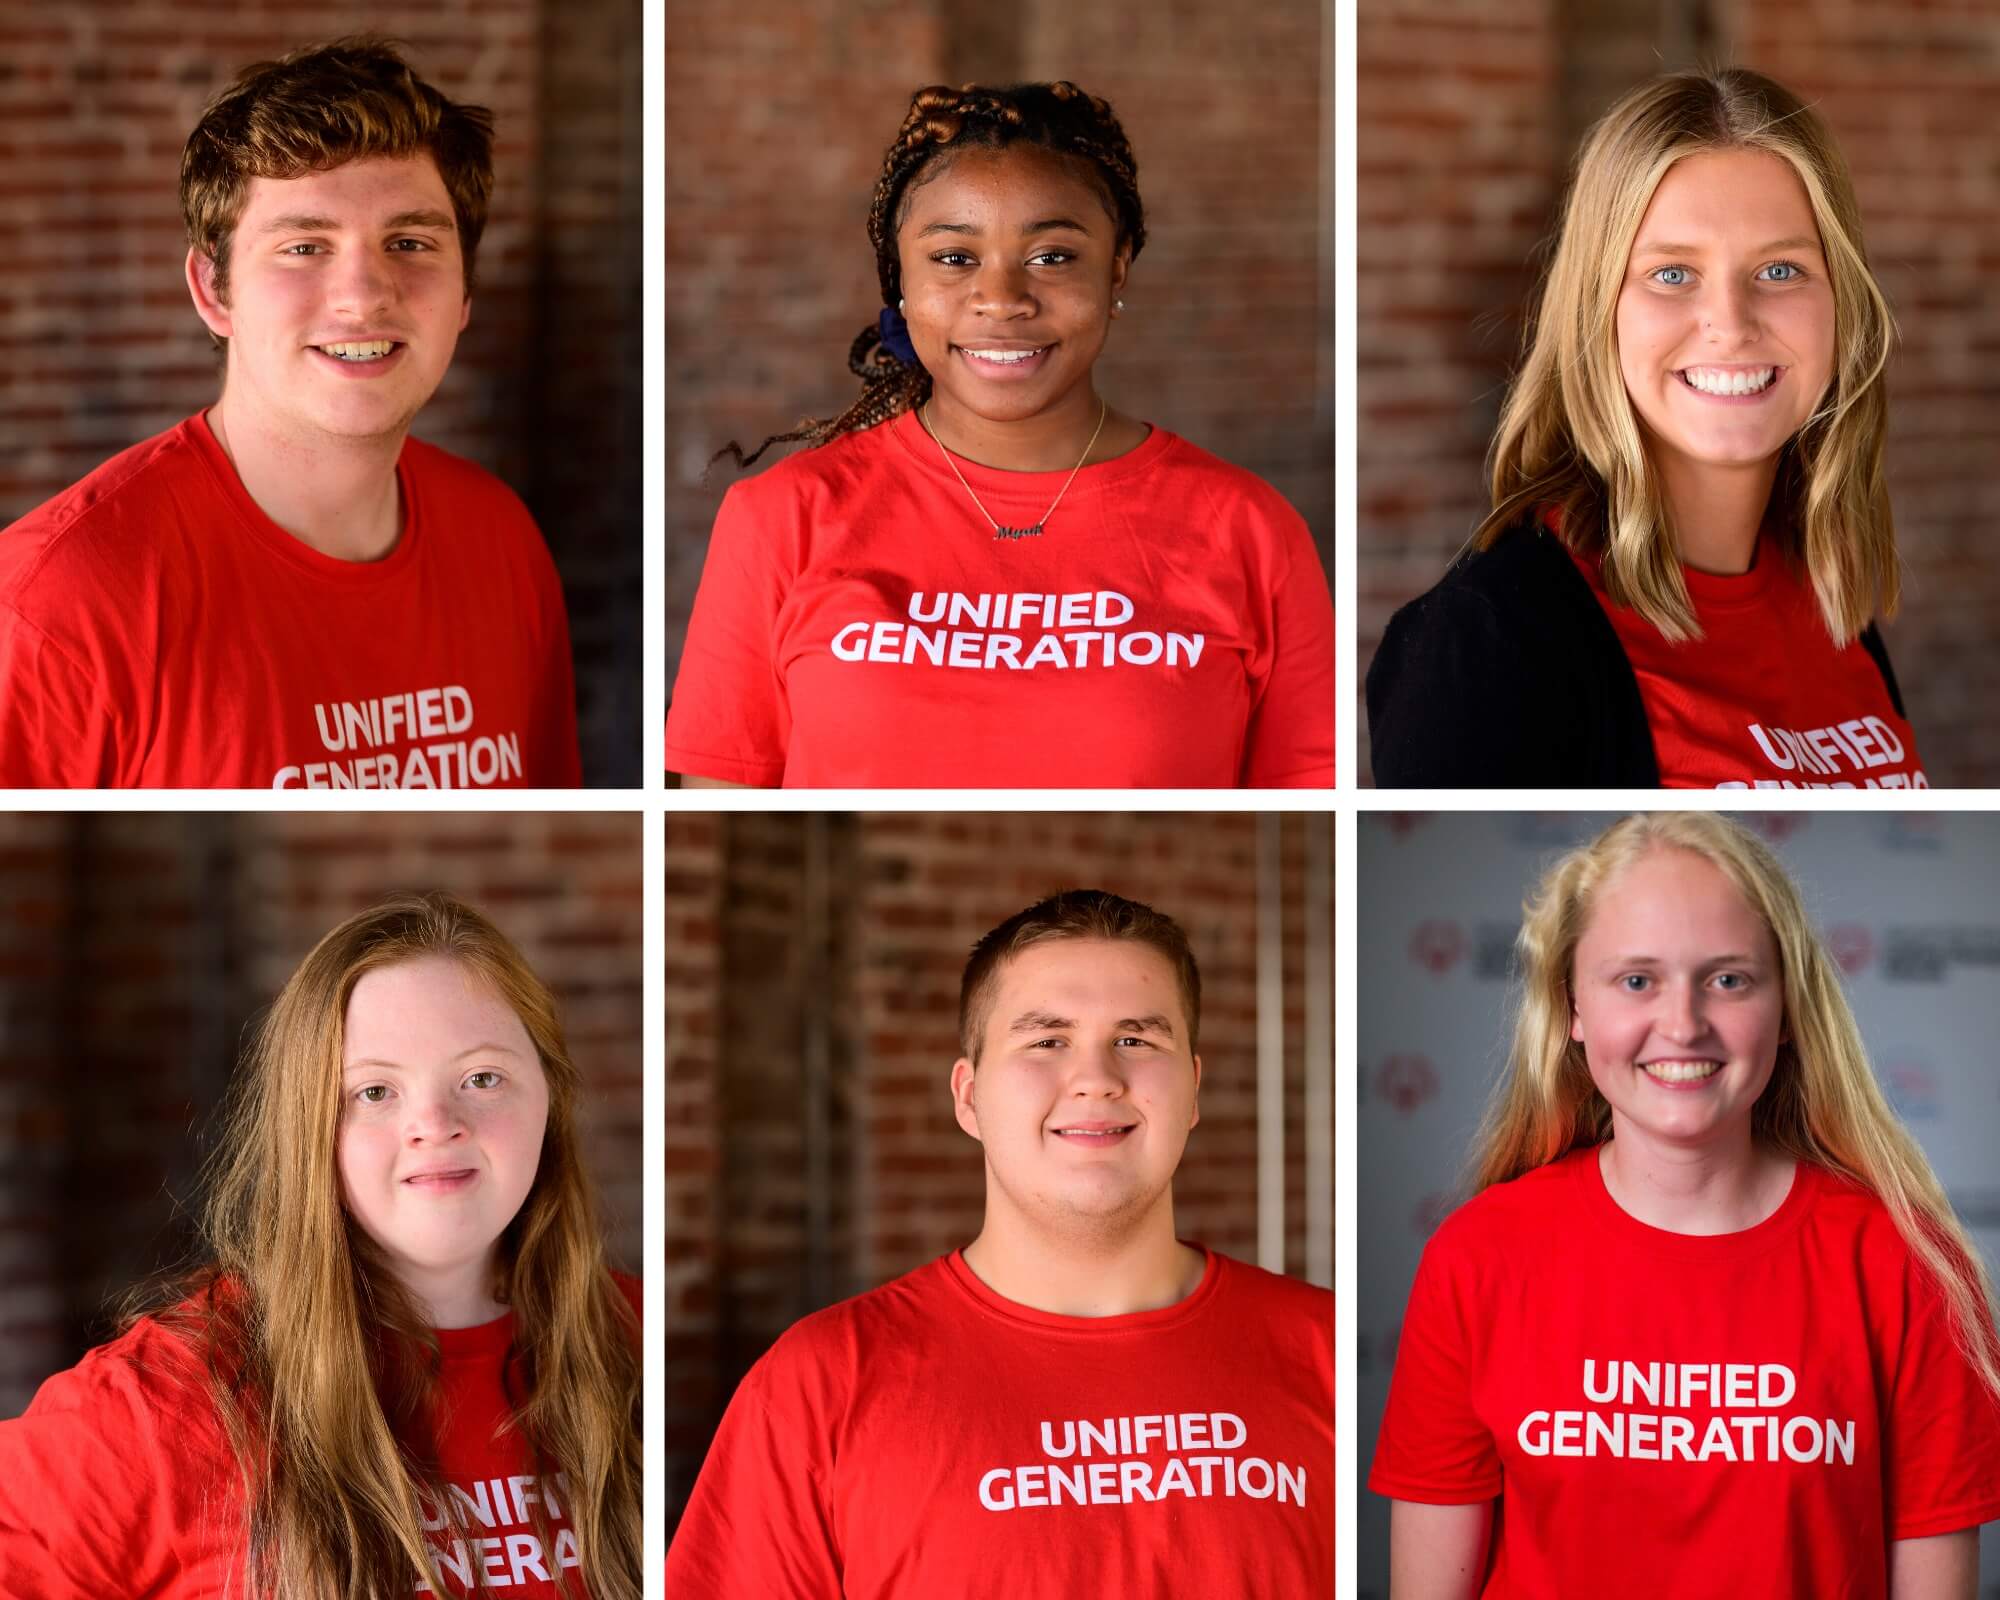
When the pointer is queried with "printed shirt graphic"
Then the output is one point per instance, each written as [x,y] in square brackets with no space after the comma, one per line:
[931,1438]
[1762,700]
[158,630]
[121,1482]
[859,624]
[1757,1413]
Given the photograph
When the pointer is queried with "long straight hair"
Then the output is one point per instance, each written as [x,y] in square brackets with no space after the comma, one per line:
[1822,1104]
[318,1362]
[1568,438]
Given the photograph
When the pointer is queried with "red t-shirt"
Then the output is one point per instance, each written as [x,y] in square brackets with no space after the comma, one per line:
[1757,1413]
[1762,700]
[158,630]
[931,1438]
[859,625]
[120,1481]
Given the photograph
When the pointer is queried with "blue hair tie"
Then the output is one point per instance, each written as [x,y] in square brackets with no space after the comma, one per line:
[895,334]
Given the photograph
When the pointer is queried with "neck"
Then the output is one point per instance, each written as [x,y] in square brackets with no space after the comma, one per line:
[1051,440]
[1088,1273]
[339,496]
[1718,512]
[455,1296]
[1720,1187]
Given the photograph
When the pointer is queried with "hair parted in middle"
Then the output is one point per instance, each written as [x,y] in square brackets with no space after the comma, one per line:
[1569,440]
[1073,914]
[941,121]
[320,1365]
[319,108]
[1822,1105]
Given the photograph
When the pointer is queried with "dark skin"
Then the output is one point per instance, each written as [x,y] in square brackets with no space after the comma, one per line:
[1014,251]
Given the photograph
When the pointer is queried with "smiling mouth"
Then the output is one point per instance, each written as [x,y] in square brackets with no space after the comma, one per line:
[1105,1134]
[1680,1071]
[442,1180]
[1729,382]
[359,349]
[1004,358]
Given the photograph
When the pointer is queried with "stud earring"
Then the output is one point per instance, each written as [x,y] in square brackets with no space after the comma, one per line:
[1118,305]
[899,305]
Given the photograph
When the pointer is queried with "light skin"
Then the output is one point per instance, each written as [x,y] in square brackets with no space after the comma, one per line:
[1677,972]
[1083,1096]
[359,255]
[1727,280]
[443,1109]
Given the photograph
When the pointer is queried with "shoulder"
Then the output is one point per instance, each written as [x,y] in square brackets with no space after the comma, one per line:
[1275,1295]
[1192,471]
[465,486]
[1523,579]
[831,471]
[151,1377]
[1502,1219]
[1847,1210]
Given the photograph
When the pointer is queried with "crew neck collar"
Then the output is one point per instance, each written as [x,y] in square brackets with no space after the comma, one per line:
[1587,1179]
[915,440]
[481,1340]
[995,1304]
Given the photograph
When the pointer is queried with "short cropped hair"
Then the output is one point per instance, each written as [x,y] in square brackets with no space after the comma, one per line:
[319,108]
[1073,914]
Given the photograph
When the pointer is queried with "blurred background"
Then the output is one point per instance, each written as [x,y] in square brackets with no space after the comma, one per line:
[1469,114]
[1905,902]
[101,348]
[776,128]
[136,950]
[813,964]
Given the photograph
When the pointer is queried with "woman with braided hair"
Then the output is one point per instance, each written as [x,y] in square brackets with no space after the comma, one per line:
[981,574]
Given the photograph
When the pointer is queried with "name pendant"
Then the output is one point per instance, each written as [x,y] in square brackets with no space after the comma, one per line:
[1000,532]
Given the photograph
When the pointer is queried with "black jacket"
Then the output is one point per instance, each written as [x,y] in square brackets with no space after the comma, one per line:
[1508,675]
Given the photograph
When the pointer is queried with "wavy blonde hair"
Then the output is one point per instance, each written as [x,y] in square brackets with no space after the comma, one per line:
[1568,437]
[320,1364]
[1822,1104]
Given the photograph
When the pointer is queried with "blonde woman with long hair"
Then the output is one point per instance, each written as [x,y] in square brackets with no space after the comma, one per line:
[404,1365]
[1690,535]
[1708,1327]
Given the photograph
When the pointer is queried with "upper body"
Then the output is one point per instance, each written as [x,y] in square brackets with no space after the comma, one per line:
[1519,670]
[123,1482]
[858,624]
[1759,1412]
[159,629]
[933,1438]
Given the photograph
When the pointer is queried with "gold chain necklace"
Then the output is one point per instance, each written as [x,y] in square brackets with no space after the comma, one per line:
[1030,532]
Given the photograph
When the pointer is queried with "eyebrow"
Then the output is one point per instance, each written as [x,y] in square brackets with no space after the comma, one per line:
[377,1063]
[1046,225]
[305,222]
[1661,247]
[1730,959]
[1049,1022]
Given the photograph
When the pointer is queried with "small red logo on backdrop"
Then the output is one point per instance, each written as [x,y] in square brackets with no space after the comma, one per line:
[1853,946]
[1438,945]
[1777,826]
[1404,823]
[1406,1082]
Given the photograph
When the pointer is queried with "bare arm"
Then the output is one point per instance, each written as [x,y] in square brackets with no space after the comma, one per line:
[1942,1567]
[690,781]
[1439,1552]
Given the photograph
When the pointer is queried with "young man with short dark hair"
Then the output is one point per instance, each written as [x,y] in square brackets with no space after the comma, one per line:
[286,590]
[1076,1402]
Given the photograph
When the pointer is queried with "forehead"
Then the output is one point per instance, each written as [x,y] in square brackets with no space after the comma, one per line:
[431,1008]
[1672,902]
[1729,196]
[355,192]
[1017,183]
[1084,979]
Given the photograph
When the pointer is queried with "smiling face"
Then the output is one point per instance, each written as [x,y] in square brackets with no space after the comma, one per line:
[1678,1001]
[1726,314]
[443,1107]
[1085,1088]
[1010,267]
[345,298]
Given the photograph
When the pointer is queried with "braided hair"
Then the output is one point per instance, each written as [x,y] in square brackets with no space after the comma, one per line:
[1058,117]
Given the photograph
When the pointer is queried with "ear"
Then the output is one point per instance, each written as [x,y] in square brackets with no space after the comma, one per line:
[1195,1120]
[1121,265]
[962,1106]
[208,304]
[1575,1023]
[465,314]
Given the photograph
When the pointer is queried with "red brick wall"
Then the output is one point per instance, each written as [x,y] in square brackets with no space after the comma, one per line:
[908,893]
[103,349]
[775,138]
[135,950]
[1467,115]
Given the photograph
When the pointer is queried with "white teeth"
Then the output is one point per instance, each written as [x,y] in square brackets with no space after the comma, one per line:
[1005,357]
[1719,380]
[372,350]
[1681,1071]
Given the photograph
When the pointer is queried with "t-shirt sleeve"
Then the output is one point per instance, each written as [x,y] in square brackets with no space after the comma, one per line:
[1942,1440]
[1448,706]
[1433,1448]
[57,728]
[729,717]
[100,1487]
[560,760]
[759,1525]
[1291,729]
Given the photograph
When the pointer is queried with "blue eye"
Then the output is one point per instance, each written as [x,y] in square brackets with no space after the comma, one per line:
[1791,272]
[1672,277]
[1634,982]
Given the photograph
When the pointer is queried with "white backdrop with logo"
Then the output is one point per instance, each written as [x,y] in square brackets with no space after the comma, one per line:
[1910,904]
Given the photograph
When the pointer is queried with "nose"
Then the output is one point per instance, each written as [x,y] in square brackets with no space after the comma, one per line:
[433,1119]
[1729,314]
[1681,1018]
[1096,1073]
[1001,291]
[360,283]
